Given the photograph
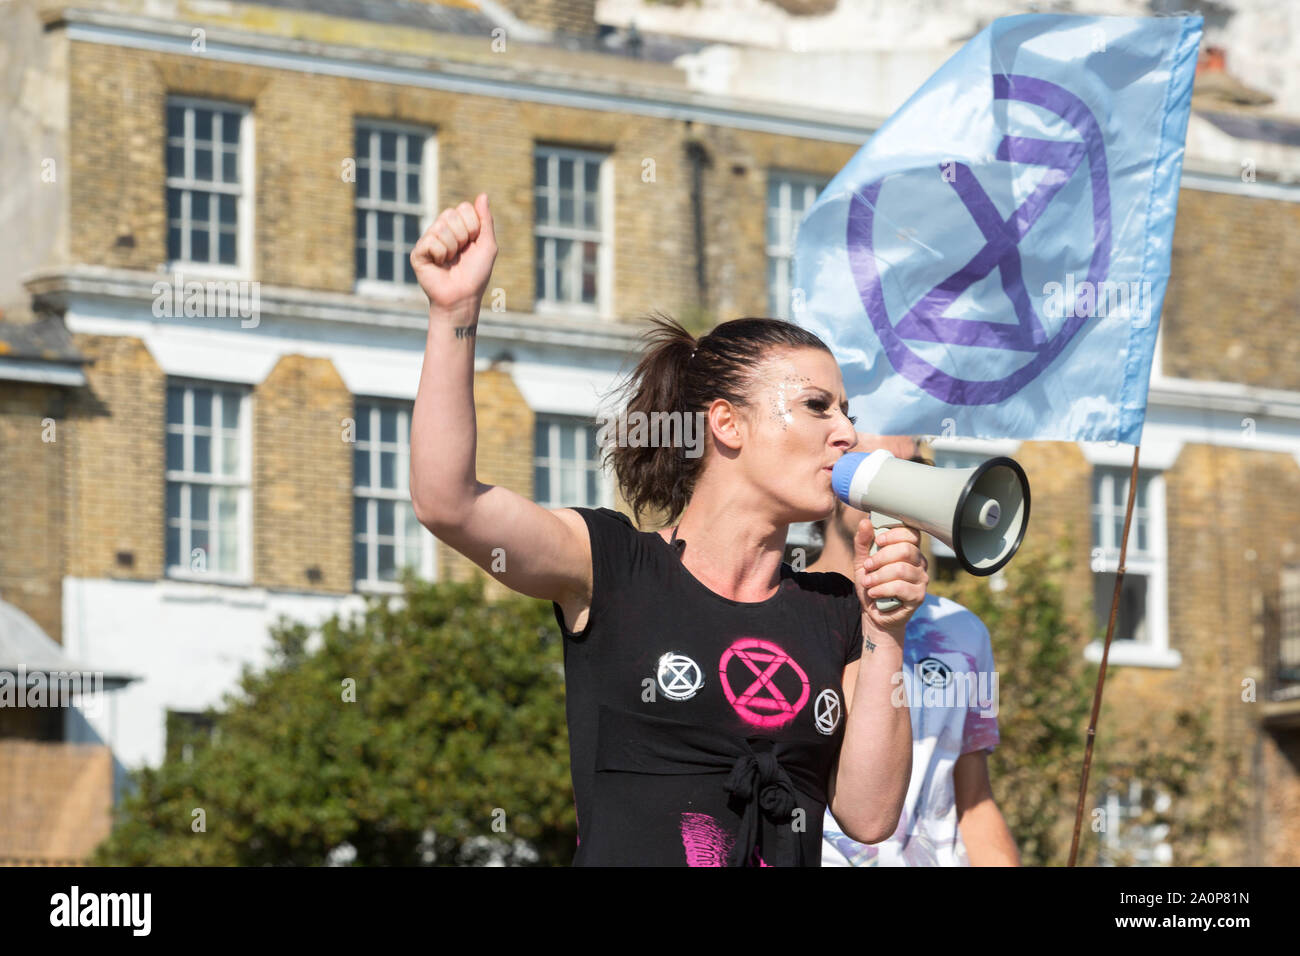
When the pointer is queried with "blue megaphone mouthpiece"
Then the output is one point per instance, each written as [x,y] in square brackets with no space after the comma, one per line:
[842,473]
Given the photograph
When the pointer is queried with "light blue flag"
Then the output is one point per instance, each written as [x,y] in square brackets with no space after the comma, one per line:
[993,261]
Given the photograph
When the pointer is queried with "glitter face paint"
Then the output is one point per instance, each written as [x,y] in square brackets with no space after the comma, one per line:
[782,382]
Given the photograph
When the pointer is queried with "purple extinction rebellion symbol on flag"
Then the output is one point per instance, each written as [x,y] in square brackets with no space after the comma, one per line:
[926,320]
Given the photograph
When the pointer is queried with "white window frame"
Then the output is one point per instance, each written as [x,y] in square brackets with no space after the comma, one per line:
[552,463]
[242,482]
[603,306]
[1117,819]
[401,495]
[782,251]
[397,288]
[1153,564]
[245,197]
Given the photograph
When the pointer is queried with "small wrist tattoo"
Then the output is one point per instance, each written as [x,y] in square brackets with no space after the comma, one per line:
[466,331]
[867,644]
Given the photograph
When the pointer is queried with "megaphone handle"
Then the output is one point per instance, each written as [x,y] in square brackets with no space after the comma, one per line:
[883,521]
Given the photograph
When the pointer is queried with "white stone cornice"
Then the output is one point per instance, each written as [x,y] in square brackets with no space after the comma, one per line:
[1159,451]
[59,289]
[1232,397]
[1220,179]
[42,372]
[989,447]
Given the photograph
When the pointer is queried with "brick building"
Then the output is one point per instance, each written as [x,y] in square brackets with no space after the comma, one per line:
[212,234]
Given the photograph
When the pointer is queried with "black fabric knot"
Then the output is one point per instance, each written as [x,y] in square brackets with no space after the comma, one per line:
[759,781]
[760,788]
[760,777]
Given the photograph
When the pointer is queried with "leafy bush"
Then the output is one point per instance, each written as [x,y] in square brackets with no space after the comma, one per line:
[453,751]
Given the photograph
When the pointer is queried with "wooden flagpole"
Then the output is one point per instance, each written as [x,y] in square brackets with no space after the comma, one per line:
[1105,654]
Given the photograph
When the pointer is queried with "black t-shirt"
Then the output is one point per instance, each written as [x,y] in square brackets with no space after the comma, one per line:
[702,731]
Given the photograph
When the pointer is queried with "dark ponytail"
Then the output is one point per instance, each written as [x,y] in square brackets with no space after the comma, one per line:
[679,373]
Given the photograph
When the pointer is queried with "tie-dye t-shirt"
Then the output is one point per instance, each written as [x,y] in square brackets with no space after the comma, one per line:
[952,691]
[674,694]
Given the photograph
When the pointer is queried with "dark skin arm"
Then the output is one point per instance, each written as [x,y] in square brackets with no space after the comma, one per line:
[986,835]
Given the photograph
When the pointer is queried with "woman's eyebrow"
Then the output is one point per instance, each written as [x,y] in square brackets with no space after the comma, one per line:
[844,405]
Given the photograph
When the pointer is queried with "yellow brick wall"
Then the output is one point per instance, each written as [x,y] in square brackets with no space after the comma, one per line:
[304,207]
[303,131]
[740,165]
[1230,313]
[115,470]
[1060,496]
[116,462]
[1234,273]
[1278,837]
[302,484]
[1234,521]
[32,500]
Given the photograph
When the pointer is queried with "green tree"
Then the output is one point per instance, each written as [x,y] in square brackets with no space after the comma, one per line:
[431,729]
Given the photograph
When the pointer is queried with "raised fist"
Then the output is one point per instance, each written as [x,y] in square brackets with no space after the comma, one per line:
[453,259]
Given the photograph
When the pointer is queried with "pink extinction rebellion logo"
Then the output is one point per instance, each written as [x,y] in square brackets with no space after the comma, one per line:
[763,703]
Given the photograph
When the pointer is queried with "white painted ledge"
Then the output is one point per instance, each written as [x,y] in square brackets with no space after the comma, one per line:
[1129,654]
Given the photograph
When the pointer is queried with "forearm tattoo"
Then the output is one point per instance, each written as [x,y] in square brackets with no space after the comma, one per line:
[466,331]
[867,644]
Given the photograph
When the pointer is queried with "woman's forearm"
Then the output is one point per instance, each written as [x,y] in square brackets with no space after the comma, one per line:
[876,755]
[444,435]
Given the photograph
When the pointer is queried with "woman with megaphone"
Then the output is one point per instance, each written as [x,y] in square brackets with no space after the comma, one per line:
[718,701]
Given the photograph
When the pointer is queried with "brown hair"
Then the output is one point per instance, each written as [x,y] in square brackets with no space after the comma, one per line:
[679,373]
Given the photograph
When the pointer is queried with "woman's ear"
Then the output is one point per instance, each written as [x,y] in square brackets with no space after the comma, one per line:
[729,423]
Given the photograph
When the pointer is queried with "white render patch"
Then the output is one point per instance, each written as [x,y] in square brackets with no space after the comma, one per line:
[186,641]
[381,362]
[375,361]
[565,389]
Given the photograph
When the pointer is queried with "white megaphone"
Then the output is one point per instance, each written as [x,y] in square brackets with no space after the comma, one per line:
[981,513]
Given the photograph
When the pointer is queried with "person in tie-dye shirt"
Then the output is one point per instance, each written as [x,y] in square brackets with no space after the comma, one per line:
[950,817]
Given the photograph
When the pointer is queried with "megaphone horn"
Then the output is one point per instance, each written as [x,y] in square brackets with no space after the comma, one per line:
[981,513]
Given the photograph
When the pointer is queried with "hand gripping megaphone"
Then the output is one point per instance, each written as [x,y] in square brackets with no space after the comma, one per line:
[981,512]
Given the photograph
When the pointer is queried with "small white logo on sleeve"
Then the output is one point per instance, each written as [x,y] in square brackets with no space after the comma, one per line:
[102,909]
[934,672]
